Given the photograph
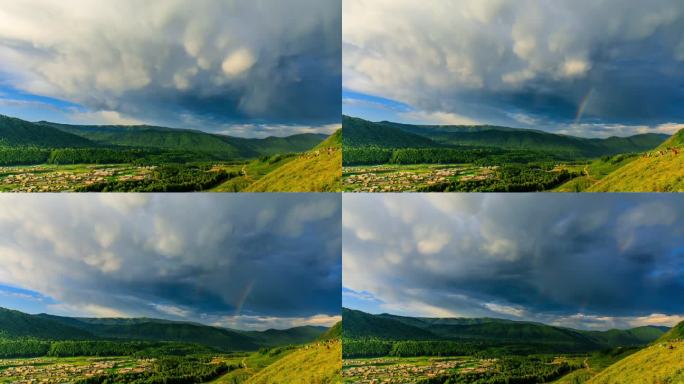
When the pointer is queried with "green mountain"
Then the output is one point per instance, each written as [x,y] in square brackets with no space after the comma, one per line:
[160,330]
[144,136]
[296,335]
[358,324]
[18,324]
[17,132]
[359,133]
[14,324]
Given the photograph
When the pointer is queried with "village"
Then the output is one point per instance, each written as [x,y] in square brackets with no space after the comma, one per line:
[53,370]
[403,371]
[386,178]
[55,179]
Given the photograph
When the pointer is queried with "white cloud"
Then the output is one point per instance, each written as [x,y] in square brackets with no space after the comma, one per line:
[260,323]
[238,62]
[465,61]
[278,130]
[505,309]
[516,256]
[172,310]
[436,118]
[155,61]
[159,255]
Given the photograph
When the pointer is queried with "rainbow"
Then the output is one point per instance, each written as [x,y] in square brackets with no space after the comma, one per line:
[583,105]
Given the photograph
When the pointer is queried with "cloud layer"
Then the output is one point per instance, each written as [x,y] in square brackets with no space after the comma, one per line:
[547,64]
[244,260]
[574,260]
[201,63]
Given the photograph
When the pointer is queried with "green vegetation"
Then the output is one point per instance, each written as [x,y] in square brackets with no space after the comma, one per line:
[392,157]
[659,363]
[319,170]
[118,350]
[40,157]
[319,363]
[335,332]
[398,349]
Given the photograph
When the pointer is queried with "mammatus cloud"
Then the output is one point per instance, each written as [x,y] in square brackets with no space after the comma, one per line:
[250,259]
[593,262]
[543,64]
[172,62]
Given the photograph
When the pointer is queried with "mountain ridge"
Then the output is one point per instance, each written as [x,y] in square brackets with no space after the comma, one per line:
[358,324]
[384,134]
[16,324]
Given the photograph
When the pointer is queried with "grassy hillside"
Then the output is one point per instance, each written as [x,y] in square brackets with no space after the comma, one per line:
[658,171]
[659,363]
[17,324]
[319,363]
[359,132]
[319,170]
[676,333]
[335,332]
[677,140]
[17,132]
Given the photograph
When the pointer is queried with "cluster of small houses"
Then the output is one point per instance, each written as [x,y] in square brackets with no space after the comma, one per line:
[36,371]
[42,179]
[384,371]
[377,179]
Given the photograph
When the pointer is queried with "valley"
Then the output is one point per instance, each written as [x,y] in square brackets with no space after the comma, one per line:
[396,349]
[49,157]
[393,157]
[53,349]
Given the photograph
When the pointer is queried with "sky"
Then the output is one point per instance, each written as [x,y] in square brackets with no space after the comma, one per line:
[580,67]
[248,68]
[586,261]
[243,261]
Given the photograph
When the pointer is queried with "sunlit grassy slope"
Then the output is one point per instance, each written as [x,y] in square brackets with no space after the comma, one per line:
[659,363]
[662,172]
[659,170]
[318,363]
[319,170]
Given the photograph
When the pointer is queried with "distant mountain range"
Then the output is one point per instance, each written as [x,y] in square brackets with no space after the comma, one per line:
[16,324]
[385,134]
[358,324]
[20,133]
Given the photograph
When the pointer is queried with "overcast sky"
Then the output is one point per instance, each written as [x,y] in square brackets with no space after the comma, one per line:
[267,66]
[582,67]
[247,261]
[592,261]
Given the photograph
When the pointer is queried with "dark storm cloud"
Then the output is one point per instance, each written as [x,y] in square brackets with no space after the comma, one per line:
[212,258]
[204,63]
[543,257]
[547,64]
